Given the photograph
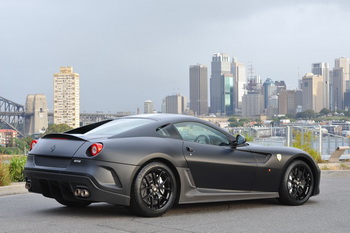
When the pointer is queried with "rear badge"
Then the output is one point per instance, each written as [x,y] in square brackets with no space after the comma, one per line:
[53,148]
[279,157]
[77,161]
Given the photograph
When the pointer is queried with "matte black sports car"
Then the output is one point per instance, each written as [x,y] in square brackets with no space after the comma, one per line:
[150,162]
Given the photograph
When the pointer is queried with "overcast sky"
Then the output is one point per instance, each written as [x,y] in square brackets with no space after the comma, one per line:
[129,51]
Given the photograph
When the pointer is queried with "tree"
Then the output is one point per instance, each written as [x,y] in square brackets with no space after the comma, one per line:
[325,111]
[308,114]
[57,128]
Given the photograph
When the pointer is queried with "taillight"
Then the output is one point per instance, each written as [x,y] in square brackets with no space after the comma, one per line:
[33,143]
[96,148]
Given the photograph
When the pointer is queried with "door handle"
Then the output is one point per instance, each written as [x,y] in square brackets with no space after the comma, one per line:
[189,149]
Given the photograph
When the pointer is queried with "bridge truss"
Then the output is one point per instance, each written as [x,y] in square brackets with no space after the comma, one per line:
[12,115]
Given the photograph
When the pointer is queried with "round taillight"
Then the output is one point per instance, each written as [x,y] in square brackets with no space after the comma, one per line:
[33,143]
[96,148]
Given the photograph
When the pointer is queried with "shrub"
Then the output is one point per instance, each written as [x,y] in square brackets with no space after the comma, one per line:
[5,178]
[305,144]
[16,167]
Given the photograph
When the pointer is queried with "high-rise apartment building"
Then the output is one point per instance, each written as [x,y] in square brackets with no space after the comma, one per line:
[66,97]
[312,86]
[323,70]
[199,89]
[239,74]
[340,76]
[220,65]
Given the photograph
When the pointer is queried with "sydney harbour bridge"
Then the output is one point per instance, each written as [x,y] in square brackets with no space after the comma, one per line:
[14,116]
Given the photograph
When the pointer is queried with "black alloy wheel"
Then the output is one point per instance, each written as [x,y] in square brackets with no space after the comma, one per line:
[154,190]
[297,184]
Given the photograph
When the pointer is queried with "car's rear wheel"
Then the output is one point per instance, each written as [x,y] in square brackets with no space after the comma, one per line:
[75,204]
[154,190]
[297,184]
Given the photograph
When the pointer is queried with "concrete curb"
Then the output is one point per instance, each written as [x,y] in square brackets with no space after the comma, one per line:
[14,188]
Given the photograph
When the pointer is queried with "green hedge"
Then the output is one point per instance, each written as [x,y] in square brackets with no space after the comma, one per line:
[12,170]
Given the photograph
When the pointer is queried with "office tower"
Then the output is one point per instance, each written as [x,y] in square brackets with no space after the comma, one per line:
[220,65]
[199,89]
[287,103]
[312,86]
[229,95]
[252,104]
[175,104]
[269,89]
[239,73]
[340,76]
[36,120]
[66,97]
[322,69]
[148,106]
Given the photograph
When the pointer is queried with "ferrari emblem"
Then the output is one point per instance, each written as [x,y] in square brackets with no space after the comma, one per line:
[53,148]
[279,157]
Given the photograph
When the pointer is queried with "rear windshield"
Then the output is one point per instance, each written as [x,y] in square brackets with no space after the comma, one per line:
[118,126]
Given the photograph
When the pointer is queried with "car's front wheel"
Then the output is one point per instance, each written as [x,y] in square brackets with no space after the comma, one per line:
[297,184]
[154,190]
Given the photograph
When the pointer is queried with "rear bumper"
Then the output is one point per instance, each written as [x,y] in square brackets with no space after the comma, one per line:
[105,181]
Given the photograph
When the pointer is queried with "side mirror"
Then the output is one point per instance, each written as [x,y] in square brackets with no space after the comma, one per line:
[239,140]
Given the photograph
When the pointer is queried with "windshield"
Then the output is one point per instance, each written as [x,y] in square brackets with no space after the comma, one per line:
[118,126]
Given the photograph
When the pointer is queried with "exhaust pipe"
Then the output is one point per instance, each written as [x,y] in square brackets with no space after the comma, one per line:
[81,192]
[28,184]
[77,192]
[85,193]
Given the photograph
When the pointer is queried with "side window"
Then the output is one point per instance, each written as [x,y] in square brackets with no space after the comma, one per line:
[168,131]
[200,133]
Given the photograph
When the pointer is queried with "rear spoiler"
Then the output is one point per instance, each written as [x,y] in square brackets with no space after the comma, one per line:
[63,136]
[86,128]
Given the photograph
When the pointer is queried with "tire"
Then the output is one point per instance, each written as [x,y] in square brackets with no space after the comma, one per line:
[154,190]
[73,204]
[297,184]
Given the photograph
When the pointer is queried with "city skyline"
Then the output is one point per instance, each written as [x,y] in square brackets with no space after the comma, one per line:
[123,52]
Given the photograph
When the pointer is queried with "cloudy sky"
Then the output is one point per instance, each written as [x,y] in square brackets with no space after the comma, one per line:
[130,51]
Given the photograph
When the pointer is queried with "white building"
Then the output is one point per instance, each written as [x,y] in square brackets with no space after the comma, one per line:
[66,97]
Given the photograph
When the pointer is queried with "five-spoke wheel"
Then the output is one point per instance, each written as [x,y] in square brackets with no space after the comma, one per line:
[297,184]
[154,190]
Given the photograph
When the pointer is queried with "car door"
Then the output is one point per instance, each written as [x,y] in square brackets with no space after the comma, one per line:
[214,164]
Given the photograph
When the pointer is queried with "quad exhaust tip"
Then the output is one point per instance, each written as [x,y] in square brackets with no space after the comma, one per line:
[81,192]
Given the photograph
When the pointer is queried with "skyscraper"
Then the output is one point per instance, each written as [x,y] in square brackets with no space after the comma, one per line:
[220,65]
[312,86]
[340,76]
[323,70]
[239,74]
[199,89]
[269,90]
[66,97]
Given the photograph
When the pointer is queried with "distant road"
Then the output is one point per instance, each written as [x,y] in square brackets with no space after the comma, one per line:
[327,212]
